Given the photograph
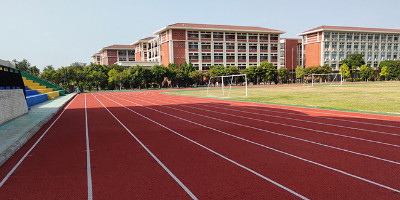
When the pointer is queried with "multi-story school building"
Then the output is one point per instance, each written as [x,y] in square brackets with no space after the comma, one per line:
[329,45]
[291,53]
[203,45]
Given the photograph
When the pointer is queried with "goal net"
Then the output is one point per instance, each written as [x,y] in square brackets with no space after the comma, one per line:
[323,79]
[227,86]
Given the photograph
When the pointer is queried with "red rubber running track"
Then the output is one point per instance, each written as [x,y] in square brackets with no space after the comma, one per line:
[147,145]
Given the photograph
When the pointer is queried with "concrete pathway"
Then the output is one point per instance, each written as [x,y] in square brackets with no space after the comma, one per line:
[15,133]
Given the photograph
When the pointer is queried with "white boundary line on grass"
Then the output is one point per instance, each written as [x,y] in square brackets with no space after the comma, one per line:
[151,154]
[89,170]
[264,146]
[214,152]
[33,146]
[275,133]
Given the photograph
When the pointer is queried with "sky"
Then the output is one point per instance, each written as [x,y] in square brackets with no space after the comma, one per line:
[60,32]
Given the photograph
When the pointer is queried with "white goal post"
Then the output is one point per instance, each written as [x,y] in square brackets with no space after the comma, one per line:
[325,79]
[225,83]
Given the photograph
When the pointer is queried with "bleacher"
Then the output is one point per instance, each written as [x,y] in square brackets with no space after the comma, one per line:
[33,97]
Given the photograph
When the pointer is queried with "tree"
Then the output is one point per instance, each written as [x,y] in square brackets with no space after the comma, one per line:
[217,70]
[159,72]
[345,71]
[23,65]
[232,70]
[384,73]
[172,70]
[283,74]
[196,76]
[184,72]
[267,71]
[365,72]
[299,72]
[251,73]
[34,71]
[354,61]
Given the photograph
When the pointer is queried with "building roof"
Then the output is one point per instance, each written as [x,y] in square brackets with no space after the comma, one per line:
[117,47]
[349,29]
[143,40]
[217,27]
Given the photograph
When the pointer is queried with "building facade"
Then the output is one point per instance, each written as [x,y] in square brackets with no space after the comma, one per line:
[291,50]
[113,54]
[203,45]
[206,45]
[329,45]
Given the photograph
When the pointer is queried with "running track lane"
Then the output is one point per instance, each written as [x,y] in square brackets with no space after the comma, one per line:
[312,180]
[122,169]
[56,167]
[377,169]
[317,133]
[204,173]
[341,124]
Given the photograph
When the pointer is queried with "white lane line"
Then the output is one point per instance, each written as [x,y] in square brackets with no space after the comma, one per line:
[214,152]
[309,111]
[89,169]
[151,154]
[299,127]
[33,146]
[294,119]
[267,147]
[275,133]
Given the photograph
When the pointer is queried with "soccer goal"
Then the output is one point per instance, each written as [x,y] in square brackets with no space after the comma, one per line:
[221,86]
[324,79]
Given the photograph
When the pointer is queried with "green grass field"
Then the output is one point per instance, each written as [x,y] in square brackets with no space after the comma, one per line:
[370,97]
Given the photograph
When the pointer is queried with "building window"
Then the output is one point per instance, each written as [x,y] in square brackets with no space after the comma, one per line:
[230,36]
[274,57]
[253,47]
[193,34]
[242,36]
[230,46]
[193,45]
[253,36]
[193,56]
[131,53]
[376,38]
[253,57]
[356,45]
[218,35]
[242,57]
[349,36]
[327,36]
[131,59]
[370,38]
[356,37]
[205,45]
[341,46]
[218,56]
[230,56]
[218,46]
[342,36]
[274,37]
[242,46]
[121,59]
[264,47]
[263,57]
[363,37]
[264,37]
[121,52]
[206,35]
[206,67]
[274,47]
[206,56]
